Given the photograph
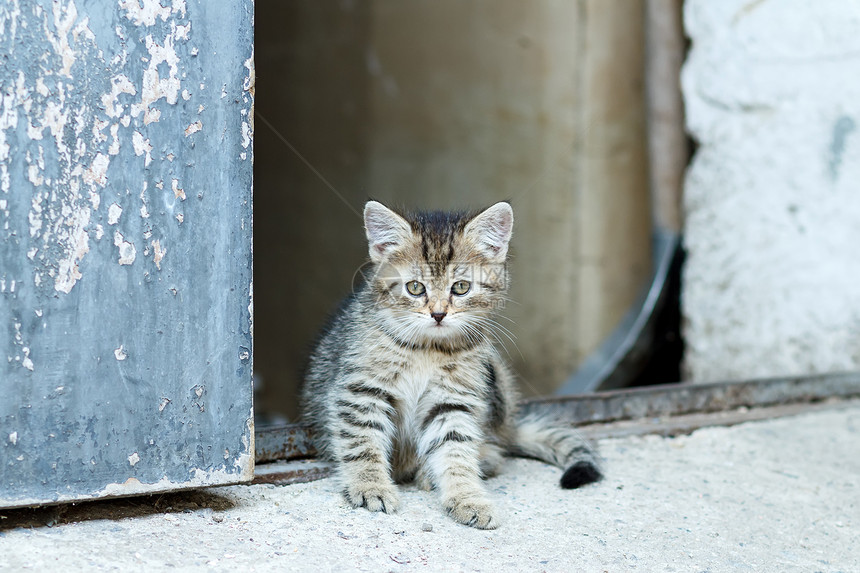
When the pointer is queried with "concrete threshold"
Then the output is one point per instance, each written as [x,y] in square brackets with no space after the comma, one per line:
[776,494]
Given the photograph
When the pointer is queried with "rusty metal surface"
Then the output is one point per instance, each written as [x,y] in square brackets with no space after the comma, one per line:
[687,423]
[284,442]
[676,399]
[687,406]
[286,473]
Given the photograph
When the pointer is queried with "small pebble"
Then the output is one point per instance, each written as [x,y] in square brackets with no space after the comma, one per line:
[426,527]
[217,518]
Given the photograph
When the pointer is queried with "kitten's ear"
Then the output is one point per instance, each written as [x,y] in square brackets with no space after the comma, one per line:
[491,230]
[386,230]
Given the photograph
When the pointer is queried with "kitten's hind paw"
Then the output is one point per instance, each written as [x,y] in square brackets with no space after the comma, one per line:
[477,513]
[374,496]
[579,474]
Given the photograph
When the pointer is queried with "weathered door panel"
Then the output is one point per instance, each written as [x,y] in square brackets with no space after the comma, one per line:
[125,247]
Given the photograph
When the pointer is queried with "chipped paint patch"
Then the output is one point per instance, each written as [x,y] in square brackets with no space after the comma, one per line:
[247,133]
[96,174]
[154,86]
[120,84]
[114,213]
[244,463]
[144,12]
[178,192]
[76,241]
[26,362]
[22,348]
[133,459]
[64,20]
[141,147]
[193,128]
[144,212]
[127,251]
[120,353]
[114,146]
[158,253]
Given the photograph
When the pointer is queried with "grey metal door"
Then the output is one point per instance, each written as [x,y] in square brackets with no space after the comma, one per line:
[125,247]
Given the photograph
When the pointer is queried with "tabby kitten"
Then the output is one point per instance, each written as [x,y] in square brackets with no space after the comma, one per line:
[406,383]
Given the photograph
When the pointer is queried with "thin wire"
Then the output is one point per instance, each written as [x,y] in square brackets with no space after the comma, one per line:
[308,164]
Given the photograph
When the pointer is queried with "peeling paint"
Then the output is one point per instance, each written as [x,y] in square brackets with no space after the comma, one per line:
[158,253]
[114,213]
[246,134]
[178,192]
[64,20]
[120,84]
[120,353]
[26,362]
[154,86]
[144,12]
[96,174]
[193,128]
[199,478]
[77,243]
[144,212]
[114,146]
[141,147]
[127,252]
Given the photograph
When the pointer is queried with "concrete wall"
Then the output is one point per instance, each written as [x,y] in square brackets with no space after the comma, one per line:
[773,213]
[447,105]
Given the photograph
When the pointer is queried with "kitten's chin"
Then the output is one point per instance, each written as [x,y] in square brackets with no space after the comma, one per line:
[441,332]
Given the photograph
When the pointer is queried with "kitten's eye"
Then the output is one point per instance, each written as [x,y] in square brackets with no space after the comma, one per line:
[461,287]
[415,288]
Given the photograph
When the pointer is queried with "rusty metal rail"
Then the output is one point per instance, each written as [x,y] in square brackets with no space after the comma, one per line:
[679,399]
[668,409]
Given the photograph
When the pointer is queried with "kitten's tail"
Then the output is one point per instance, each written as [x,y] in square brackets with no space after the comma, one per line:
[552,441]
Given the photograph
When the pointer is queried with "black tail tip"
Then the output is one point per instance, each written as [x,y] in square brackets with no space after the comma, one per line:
[579,474]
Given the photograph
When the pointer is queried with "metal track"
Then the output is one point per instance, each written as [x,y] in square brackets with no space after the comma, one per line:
[666,410]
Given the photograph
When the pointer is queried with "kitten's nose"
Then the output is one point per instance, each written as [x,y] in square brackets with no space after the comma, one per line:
[438,316]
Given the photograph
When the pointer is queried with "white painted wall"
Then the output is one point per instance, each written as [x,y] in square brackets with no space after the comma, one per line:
[772,199]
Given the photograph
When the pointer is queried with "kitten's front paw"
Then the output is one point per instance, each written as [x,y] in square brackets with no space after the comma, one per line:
[373,496]
[474,512]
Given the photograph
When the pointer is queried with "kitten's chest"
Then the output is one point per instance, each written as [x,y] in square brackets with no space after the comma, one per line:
[423,383]
[415,382]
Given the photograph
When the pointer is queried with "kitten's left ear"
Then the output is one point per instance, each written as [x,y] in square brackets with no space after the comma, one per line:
[491,230]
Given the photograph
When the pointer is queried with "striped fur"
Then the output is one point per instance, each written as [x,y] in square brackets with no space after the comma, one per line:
[405,386]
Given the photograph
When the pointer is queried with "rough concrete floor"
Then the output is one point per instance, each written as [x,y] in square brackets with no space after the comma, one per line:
[779,495]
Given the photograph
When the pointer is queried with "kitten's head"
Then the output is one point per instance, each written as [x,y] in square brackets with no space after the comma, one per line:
[438,276]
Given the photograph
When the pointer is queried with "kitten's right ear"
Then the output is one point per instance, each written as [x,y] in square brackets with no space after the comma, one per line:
[386,230]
